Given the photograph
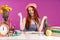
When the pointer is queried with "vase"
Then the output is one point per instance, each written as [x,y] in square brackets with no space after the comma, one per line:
[5,16]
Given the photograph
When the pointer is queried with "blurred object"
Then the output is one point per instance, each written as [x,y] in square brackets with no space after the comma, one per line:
[48,32]
[11,29]
[17,32]
[4,29]
[10,22]
[55,27]
[1,11]
[55,34]
[55,30]
[32,32]
[46,26]
[5,9]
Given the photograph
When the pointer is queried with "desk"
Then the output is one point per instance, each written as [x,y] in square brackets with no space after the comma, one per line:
[27,36]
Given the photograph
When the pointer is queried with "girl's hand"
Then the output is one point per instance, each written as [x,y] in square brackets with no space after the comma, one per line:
[45,17]
[20,14]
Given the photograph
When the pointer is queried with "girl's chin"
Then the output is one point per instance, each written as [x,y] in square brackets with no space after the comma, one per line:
[32,15]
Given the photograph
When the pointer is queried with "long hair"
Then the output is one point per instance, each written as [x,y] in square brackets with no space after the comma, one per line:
[28,18]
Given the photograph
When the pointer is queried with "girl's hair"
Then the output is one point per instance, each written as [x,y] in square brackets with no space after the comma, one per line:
[28,18]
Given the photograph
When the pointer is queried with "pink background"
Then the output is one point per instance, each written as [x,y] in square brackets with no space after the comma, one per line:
[49,8]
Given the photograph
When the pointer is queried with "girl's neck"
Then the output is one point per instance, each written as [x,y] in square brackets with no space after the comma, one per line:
[32,18]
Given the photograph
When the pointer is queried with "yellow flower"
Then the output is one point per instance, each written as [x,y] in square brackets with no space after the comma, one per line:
[6,8]
[48,32]
[1,11]
[10,9]
[3,6]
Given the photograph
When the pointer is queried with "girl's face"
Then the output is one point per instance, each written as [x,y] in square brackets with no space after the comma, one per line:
[31,11]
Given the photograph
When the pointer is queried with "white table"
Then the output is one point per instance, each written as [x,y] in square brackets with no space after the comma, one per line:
[28,36]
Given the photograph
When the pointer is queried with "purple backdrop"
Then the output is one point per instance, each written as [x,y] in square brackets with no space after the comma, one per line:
[50,8]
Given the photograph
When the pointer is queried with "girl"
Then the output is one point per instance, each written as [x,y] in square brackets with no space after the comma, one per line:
[32,21]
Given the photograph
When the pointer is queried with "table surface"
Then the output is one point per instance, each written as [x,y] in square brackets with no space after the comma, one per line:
[29,36]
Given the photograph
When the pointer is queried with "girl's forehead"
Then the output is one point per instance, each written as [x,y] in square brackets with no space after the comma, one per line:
[30,8]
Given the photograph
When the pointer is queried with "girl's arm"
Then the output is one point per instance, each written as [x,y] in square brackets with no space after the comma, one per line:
[42,23]
[22,21]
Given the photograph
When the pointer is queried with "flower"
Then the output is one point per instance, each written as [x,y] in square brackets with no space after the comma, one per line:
[1,11]
[5,8]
